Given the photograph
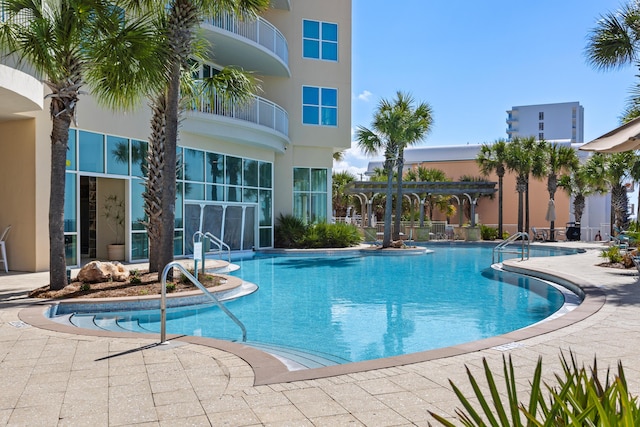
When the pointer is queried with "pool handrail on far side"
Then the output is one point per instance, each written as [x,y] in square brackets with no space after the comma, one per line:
[501,247]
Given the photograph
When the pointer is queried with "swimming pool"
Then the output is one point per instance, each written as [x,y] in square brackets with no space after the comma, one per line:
[347,308]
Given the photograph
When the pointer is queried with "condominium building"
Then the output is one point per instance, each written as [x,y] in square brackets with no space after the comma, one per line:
[240,168]
[551,122]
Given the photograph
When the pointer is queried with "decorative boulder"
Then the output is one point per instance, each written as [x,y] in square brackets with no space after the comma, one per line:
[399,244]
[97,271]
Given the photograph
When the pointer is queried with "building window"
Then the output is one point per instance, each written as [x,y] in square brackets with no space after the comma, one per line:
[310,194]
[319,106]
[319,40]
[540,126]
[540,136]
[541,115]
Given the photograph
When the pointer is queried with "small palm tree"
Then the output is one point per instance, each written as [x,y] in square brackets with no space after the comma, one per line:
[492,158]
[558,159]
[71,44]
[341,199]
[578,186]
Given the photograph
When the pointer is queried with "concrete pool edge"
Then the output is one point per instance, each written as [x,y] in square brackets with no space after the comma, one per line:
[268,369]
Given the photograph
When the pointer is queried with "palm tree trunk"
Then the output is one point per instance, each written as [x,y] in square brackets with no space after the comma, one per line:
[153,194]
[500,232]
[57,256]
[398,218]
[388,208]
[526,211]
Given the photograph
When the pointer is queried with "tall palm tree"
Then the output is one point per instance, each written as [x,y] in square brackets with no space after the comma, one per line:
[71,44]
[611,171]
[492,158]
[558,159]
[415,123]
[577,184]
[182,20]
[341,200]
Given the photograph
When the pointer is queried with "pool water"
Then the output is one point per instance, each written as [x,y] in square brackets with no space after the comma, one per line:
[361,307]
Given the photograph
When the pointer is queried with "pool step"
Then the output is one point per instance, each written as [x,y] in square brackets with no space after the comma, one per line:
[296,359]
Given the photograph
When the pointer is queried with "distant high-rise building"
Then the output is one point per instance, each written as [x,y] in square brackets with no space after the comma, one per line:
[551,122]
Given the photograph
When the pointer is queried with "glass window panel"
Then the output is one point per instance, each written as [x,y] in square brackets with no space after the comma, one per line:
[215,168]
[234,170]
[71,249]
[70,200]
[234,194]
[117,155]
[194,191]
[179,164]
[265,175]
[193,165]
[91,150]
[310,115]
[266,217]
[215,192]
[311,29]
[179,206]
[139,158]
[300,206]
[250,195]
[250,173]
[178,245]
[71,150]
[310,95]
[301,179]
[311,49]
[329,116]
[329,97]
[329,31]
[319,180]
[137,205]
[318,207]
[248,237]
[139,246]
[265,237]
[206,71]
[330,51]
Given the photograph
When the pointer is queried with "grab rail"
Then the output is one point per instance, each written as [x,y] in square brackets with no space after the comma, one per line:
[163,301]
[501,247]
[219,243]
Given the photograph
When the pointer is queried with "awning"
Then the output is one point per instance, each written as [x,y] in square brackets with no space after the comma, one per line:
[623,138]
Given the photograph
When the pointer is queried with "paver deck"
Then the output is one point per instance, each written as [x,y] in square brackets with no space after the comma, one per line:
[51,378]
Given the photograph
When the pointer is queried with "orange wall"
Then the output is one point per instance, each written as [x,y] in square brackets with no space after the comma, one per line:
[488,209]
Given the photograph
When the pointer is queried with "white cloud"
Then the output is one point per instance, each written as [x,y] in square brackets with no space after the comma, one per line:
[354,161]
[365,96]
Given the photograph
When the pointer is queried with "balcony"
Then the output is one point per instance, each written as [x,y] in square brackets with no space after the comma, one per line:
[261,123]
[253,45]
[281,4]
[19,92]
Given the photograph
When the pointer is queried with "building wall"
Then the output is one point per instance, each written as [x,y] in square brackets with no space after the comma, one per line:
[562,121]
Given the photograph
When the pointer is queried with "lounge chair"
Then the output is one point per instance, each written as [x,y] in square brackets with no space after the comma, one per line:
[539,235]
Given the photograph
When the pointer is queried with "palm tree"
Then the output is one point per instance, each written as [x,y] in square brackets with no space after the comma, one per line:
[441,201]
[341,200]
[71,44]
[578,186]
[492,158]
[610,171]
[558,159]
[182,20]
[415,123]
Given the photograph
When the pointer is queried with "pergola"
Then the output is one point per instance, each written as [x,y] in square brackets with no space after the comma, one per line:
[471,190]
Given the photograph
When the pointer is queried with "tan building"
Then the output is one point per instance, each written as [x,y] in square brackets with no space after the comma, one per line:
[241,168]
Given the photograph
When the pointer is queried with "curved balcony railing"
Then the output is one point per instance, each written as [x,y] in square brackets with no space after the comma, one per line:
[260,31]
[259,111]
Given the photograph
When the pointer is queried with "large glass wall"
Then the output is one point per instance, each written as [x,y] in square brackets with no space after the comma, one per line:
[202,176]
[310,194]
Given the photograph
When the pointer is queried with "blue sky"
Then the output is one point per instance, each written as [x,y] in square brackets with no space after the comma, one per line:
[473,60]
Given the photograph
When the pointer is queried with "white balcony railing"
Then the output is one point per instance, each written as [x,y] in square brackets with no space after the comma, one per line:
[259,31]
[259,111]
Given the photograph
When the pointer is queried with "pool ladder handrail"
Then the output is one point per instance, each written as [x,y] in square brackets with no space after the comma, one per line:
[216,241]
[501,247]
[192,279]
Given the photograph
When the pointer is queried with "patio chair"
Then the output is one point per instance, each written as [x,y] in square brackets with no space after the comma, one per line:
[538,235]
[3,248]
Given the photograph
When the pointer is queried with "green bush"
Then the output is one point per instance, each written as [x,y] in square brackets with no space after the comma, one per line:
[292,233]
[488,233]
[579,399]
[288,232]
[613,254]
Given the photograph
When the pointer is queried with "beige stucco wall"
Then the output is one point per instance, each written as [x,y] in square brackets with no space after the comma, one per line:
[487,209]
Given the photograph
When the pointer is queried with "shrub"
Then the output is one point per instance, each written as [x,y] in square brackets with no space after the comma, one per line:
[134,277]
[171,287]
[488,233]
[580,398]
[613,254]
[85,287]
[288,232]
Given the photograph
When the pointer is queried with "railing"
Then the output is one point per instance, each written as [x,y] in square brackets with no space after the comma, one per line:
[260,111]
[220,244]
[163,301]
[259,31]
[501,248]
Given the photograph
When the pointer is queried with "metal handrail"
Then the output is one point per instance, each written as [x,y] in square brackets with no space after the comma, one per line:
[219,243]
[500,248]
[163,301]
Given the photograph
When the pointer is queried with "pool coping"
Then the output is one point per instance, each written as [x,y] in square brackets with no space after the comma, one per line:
[270,370]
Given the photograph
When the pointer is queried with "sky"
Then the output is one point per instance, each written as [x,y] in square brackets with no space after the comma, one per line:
[471,61]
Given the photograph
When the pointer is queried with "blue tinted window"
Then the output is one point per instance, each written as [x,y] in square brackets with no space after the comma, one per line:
[91,150]
[319,106]
[117,155]
[330,97]
[310,95]
[71,150]
[310,115]
[329,116]
[319,40]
